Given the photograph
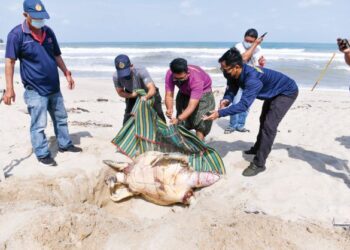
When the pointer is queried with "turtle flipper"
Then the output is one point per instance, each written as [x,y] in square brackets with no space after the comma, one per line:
[121,193]
[119,166]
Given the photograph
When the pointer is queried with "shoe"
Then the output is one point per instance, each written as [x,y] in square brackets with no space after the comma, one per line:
[253,170]
[48,161]
[229,130]
[72,149]
[242,130]
[250,152]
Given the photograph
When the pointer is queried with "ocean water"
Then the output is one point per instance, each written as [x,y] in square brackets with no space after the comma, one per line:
[301,61]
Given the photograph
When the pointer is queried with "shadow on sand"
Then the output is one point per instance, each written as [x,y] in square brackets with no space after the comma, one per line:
[323,163]
[326,164]
[223,147]
[76,139]
[344,141]
[14,163]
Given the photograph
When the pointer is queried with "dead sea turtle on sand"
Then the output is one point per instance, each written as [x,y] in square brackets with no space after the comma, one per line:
[163,178]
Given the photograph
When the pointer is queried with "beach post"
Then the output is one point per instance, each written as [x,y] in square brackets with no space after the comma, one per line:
[323,72]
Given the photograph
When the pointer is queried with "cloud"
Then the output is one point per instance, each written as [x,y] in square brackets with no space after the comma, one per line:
[16,7]
[311,3]
[65,22]
[188,8]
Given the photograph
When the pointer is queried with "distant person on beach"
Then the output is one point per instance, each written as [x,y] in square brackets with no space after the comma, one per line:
[276,89]
[127,79]
[36,47]
[252,55]
[194,98]
[344,46]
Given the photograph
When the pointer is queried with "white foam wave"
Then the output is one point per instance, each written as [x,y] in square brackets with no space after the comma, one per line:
[92,68]
[109,53]
[343,67]
[117,50]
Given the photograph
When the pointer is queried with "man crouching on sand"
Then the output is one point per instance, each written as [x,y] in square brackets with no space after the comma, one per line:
[194,98]
[127,79]
[276,89]
[35,45]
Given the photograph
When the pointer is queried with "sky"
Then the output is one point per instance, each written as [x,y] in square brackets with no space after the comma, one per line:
[187,20]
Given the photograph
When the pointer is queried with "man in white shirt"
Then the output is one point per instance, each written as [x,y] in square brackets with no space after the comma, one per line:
[252,55]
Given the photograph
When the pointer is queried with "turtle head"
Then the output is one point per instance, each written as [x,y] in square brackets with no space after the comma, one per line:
[113,180]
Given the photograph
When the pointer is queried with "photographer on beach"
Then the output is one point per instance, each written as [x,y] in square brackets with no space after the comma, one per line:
[344,46]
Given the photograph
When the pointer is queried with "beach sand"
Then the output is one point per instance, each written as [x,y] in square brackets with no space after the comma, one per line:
[292,205]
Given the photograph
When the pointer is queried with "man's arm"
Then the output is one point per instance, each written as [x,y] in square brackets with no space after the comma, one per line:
[229,95]
[9,71]
[151,90]
[169,103]
[246,56]
[249,94]
[124,94]
[66,72]
[192,105]
[147,80]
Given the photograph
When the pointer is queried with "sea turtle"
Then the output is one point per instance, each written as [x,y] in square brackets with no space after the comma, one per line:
[163,178]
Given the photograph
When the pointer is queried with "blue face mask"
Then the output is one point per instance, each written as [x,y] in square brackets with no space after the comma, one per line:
[38,24]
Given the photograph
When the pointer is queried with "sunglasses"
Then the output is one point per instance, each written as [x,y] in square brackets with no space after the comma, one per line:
[225,69]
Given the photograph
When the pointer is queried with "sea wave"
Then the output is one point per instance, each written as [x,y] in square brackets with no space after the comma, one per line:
[200,53]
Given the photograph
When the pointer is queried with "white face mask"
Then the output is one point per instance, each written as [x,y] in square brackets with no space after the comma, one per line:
[38,24]
[247,45]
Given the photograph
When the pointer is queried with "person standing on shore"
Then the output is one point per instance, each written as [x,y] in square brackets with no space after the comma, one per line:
[194,98]
[276,89]
[37,49]
[252,55]
[127,79]
[344,47]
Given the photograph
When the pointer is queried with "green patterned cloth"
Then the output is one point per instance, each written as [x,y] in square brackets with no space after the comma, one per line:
[145,131]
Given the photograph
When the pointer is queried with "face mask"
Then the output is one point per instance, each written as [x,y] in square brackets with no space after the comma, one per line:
[247,45]
[180,82]
[227,75]
[38,24]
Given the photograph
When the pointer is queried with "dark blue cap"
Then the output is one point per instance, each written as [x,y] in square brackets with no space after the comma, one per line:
[123,66]
[35,9]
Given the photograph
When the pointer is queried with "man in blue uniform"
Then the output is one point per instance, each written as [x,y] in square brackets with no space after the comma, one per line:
[276,89]
[36,47]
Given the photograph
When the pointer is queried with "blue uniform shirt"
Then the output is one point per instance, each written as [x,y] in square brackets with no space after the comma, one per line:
[37,60]
[260,83]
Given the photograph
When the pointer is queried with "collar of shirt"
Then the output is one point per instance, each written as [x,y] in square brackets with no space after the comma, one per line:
[37,38]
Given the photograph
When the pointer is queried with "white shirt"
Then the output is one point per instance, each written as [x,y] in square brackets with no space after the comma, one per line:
[254,60]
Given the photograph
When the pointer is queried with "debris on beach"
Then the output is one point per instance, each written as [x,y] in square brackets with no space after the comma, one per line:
[90,124]
[78,110]
[102,100]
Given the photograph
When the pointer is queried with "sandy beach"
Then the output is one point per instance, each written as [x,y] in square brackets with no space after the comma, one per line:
[292,205]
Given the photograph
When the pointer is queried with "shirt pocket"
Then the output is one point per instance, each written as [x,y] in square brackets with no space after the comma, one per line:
[29,50]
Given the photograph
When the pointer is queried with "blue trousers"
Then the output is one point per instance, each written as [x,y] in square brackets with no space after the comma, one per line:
[237,121]
[38,106]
